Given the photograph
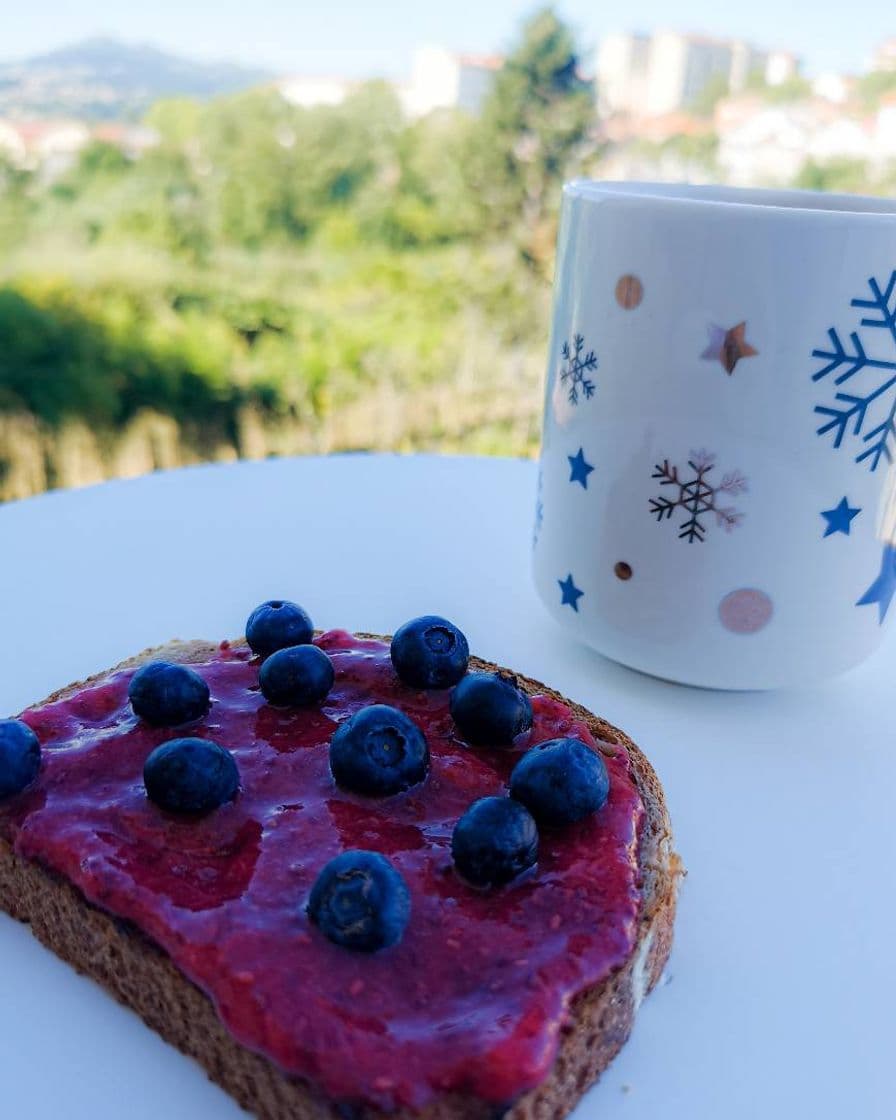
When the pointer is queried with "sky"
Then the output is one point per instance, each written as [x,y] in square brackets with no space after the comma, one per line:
[358,39]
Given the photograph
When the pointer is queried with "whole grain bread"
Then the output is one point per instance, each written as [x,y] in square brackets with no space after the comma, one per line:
[141,976]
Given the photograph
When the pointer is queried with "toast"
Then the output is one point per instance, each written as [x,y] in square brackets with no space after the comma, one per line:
[141,975]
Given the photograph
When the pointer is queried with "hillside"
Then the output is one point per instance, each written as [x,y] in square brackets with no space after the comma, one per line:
[108,79]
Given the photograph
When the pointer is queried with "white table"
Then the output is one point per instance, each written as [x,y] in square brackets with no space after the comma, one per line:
[781,992]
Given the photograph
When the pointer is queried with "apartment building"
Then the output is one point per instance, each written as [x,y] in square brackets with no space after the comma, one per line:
[623,65]
[667,71]
[443,79]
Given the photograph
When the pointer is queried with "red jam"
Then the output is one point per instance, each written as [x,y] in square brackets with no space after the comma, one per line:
[473,997]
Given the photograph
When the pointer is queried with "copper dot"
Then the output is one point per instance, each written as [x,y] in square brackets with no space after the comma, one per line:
[623,570]
[629,291]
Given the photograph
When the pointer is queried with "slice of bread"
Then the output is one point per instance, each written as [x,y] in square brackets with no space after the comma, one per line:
[141,976]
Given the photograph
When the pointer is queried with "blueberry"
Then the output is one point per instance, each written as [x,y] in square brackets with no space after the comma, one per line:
[297,676]
[490,708]
[190,776]
[19,756]
[166,694]
[560,781]
[378,751]
[494,841]
[277,624]
[360,901]
[430,652]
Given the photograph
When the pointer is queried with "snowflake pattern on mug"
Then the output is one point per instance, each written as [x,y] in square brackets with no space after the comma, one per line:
[883,588]
[539,506]
[696,496]
[869,409]
[575,369]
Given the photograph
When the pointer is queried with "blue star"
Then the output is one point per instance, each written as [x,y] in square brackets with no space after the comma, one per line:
[579,469]
[884,587]
[840,517]
[570,593]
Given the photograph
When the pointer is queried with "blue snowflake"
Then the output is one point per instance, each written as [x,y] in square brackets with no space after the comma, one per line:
[870,410]
[575,367]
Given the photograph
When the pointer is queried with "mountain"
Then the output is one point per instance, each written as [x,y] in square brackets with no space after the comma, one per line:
[107,79]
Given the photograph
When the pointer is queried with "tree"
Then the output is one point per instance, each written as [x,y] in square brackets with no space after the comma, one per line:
[16,203]
[175,119]
[98,165]
[100,158]
[792,89]
[532,129]
[421,197]
[275,170]
[871,88]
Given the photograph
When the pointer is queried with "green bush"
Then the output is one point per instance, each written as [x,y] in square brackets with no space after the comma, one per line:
[297,261]
[60,357]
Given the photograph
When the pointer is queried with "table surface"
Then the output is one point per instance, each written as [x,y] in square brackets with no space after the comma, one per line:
[779,998]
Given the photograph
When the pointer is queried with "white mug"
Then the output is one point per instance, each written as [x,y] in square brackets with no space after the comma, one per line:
[715,500]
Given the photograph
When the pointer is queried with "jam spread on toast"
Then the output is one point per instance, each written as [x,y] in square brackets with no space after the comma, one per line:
[472,998]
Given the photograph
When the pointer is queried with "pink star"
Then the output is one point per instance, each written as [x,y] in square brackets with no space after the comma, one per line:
[728,346]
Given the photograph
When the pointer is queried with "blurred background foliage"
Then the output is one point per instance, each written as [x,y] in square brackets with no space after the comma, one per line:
[270,279]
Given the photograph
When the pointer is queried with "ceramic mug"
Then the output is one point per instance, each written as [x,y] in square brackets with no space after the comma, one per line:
[715,497]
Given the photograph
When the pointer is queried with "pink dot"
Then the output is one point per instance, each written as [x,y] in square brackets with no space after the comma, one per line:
[745,611]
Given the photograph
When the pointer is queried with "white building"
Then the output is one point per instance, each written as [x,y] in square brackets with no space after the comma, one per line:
[310,91]
[780,67]
[12,145]
[832,87]
[680,68]
[622,66]
[441,79]
[51,146]
[667,72]
[746,61]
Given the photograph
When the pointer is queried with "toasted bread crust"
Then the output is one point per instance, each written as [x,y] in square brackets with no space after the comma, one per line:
[142,977]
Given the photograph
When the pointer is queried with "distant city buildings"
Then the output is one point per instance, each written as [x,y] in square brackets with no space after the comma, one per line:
[440,79]
[650,75]
[668,106]
[52,146]
[760,123]
[768,144]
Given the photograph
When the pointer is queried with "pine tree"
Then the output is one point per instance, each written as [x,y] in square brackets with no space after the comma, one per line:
[533,126]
